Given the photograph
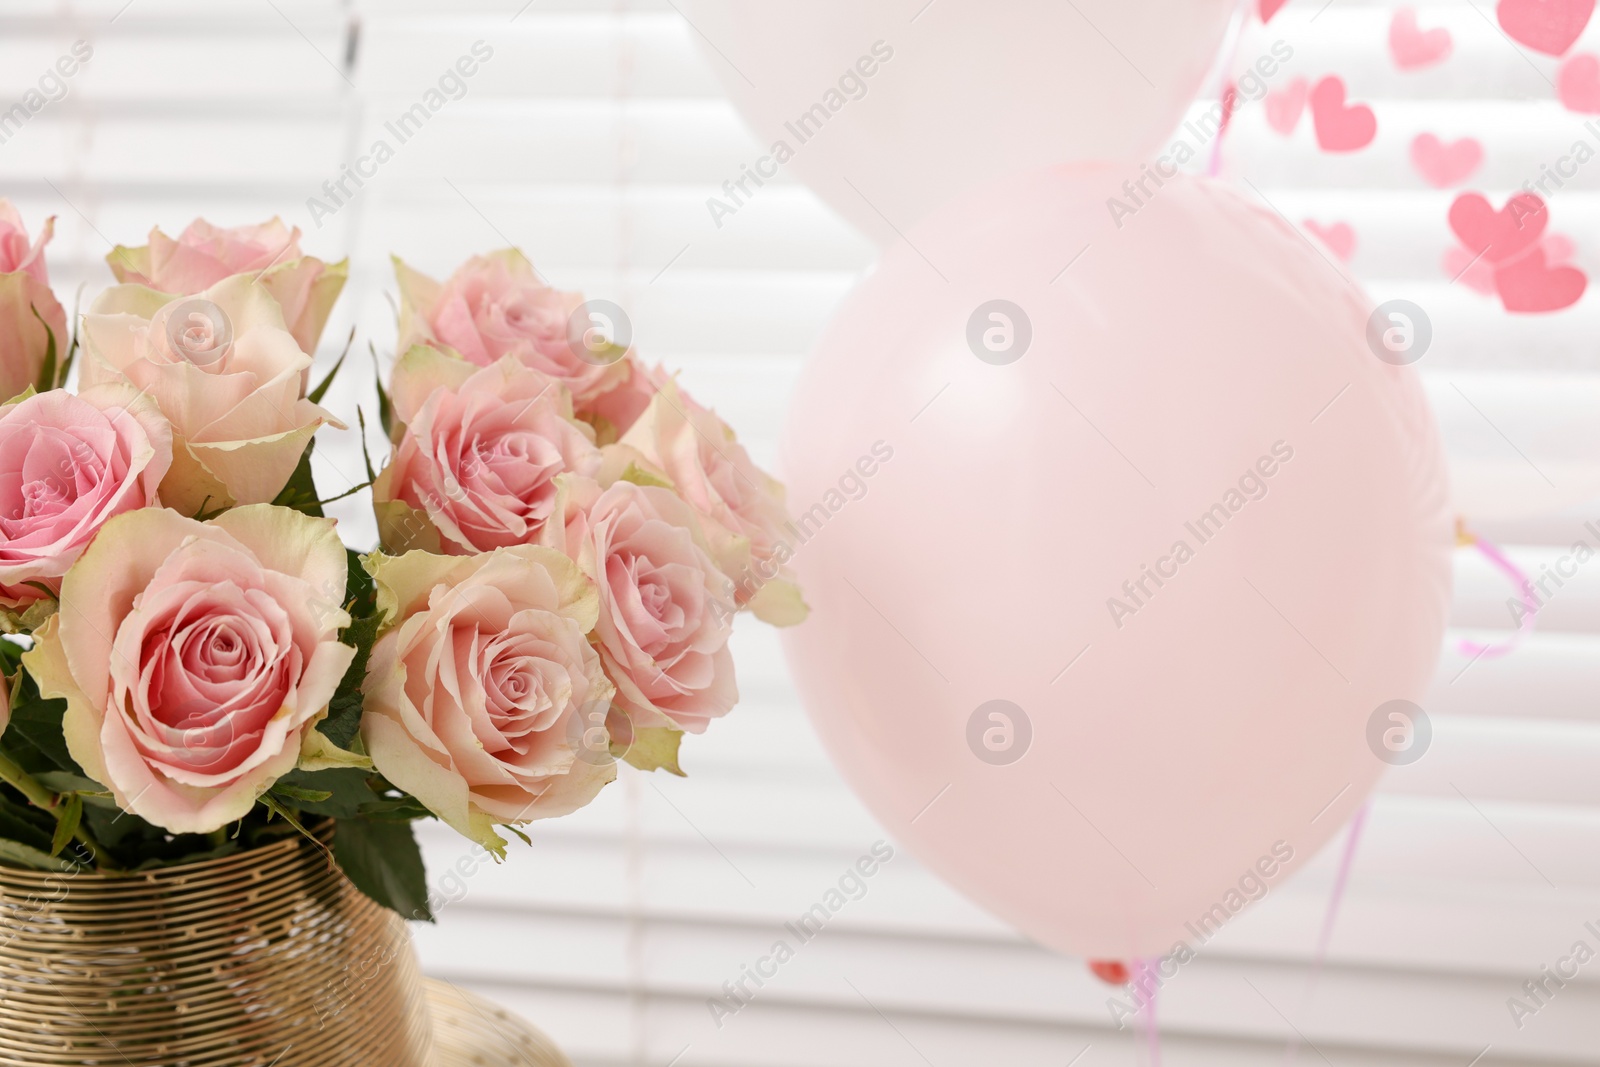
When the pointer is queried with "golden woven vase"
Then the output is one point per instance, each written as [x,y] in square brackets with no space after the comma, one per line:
[267,956]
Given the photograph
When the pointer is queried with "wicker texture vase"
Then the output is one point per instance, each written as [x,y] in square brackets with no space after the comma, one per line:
[268,956]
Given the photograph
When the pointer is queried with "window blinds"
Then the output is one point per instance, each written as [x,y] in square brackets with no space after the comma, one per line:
[591,134]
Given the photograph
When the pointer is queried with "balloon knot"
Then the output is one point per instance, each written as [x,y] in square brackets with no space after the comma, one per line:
[1111,972]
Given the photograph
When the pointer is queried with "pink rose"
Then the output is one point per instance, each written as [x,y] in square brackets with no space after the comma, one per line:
[194,656]
[615,413]
[484,698]
[203,255]
[741,505]
[226,373]
[67,465]
[495,306]
[666,611]
[17,253]
[477,460]
[32,322]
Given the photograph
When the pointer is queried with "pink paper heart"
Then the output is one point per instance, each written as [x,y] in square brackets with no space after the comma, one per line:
[1412,47]
[1340,127]
[1548,26]
[1476,274]
[1443,165]
[1578,84]
[1269,8]
[1499,236]
[1558,249]
[1532,285]
[1339,237]
[1285,105]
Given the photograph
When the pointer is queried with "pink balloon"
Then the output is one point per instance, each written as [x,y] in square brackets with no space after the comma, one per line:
[992,501]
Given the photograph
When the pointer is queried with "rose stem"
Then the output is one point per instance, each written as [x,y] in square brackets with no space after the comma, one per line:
[40,797]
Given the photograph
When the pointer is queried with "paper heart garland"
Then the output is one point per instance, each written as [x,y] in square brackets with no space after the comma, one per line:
[1511,241]
[1443,165]
[1475,272]
[1548,26]
[1530,284]
[1285,105]
[1578,84]
[1501,235]
[1414,48]
[1340,237]
[1341,127]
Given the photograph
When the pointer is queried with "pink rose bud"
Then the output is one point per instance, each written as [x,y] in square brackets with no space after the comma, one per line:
[32,321]
[17,253]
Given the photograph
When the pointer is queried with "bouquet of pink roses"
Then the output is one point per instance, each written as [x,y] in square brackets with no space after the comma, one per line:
[195,663]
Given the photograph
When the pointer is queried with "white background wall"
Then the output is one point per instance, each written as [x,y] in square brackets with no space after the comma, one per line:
[591,139]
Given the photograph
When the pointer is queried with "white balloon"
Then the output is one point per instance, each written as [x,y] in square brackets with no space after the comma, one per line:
[889,108]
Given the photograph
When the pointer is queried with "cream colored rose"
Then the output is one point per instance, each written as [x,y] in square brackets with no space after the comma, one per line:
[484,698]
[194,656]
[227,374]
[203,255]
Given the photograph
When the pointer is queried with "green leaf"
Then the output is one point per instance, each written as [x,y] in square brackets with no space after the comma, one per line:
[34,735]
[343,720]
[366,457]
[395,809]
[300,492]
[72,346]
[116,828]
[272,807]
[316,395]
[654,748]
[11,656]
[17,854]
[71,816]
[384,862]
[385,409]
[66,782]
[286,791]
[47,369]
[20,821]
[338,793]
[360,589]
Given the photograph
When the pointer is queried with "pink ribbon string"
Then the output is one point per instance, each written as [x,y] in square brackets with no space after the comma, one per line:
[1235,34]
[1503,563]
[1329,918]
[1150,979]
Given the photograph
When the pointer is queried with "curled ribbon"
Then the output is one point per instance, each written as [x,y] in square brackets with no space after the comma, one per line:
[1501,562]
